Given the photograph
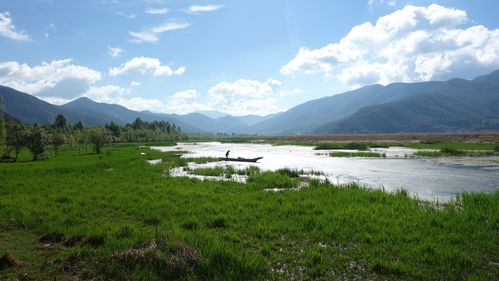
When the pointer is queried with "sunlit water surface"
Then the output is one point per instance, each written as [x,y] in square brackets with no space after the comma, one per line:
[429,179]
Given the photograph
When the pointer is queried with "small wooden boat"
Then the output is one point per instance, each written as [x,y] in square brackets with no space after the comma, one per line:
[240,159]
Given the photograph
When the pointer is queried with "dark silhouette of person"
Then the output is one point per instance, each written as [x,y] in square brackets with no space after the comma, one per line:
[227,154]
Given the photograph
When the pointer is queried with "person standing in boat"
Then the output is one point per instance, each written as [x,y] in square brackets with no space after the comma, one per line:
[227,154]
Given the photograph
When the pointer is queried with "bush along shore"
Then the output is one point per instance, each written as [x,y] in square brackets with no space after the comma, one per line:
[114,216]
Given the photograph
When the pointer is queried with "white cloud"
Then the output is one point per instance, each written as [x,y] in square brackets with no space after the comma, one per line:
[411,44]
[134,103]
[105,91]
[388,2]
[114,51]
[55,100]
[128,16]
[244,97]
[169,26]
[151,35]
[58,79]
[183,102]
[241,97]
[49,28]
[140,104]
[144,36]
[187,94]
[292,92]
[134,84]
[245,88]
[156,11]
[194,9]
[113,94]
[8,29]
[144,65]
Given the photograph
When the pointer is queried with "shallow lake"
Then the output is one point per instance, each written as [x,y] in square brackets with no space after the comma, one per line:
[429,179]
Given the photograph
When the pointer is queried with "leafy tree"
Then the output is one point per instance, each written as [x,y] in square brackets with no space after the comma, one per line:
[2,128]
[99,137]
[115,129]
[168,127]
[79,126]
[37,142]
[60,121]
[138,124]
[17,138]
[57,141]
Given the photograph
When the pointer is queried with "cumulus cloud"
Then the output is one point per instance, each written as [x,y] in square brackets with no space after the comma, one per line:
[185,95]
[184,102]
[244,97]
[140,104]
[103,92]
[8,29]
[156,11]
[114,94]
[410,44]
[194,9]
[114,51]
[145,65]
[292,92]
[241,97]
[57,79]
[151,35]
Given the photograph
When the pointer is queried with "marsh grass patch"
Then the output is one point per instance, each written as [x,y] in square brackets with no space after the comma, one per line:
[175,260]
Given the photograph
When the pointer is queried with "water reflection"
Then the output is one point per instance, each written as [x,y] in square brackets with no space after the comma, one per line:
[428,179]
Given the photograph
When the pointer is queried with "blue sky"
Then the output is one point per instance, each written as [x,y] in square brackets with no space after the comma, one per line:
[238,57]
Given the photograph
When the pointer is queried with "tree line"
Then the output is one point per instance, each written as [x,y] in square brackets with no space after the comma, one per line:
[38,139]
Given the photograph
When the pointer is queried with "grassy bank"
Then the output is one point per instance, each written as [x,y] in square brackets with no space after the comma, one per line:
[448,151]
[357,154]
[115,216]
[454,145]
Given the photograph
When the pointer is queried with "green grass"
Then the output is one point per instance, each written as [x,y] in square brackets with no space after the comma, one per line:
[347,145]
[299,143]
[357,154]
[210,171]
[197,160]
[453,145]
[295,173]
[116,204]
[449,151]
[224,171]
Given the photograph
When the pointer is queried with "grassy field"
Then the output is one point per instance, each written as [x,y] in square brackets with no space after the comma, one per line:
[114,216]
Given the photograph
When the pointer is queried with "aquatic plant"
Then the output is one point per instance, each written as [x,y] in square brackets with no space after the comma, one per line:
[357,154]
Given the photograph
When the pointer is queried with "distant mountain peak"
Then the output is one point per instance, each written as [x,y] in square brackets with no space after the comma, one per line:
[492,78]
[212,113]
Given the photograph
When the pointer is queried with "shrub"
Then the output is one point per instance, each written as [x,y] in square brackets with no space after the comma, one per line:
[99,137]
[37,142]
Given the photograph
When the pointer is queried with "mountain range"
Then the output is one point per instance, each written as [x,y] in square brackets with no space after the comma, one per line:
[434,106]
